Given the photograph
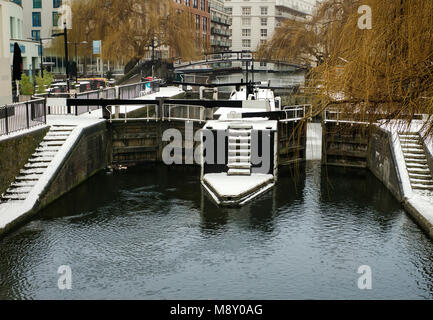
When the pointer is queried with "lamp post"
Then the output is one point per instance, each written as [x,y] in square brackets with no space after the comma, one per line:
[76,55]
[65,35]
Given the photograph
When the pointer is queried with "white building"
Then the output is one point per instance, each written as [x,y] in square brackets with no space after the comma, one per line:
[12,30]
[5,71]
[254,21]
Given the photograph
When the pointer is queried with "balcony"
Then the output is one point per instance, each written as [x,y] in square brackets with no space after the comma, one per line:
[220,32]
[220,20]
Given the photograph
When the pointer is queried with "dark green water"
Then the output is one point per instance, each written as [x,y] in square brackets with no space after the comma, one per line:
[153,234]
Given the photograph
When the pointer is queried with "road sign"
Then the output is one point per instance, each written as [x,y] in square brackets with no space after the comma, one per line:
[96,46]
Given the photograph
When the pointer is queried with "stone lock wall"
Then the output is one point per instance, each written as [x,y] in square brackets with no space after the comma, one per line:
[15,153]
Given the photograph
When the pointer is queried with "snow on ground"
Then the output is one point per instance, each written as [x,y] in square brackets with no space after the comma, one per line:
[314,141]
[234,186]
[164,92]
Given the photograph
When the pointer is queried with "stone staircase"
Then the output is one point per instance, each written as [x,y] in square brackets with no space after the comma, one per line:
[239,149]
[37,164]
[416,163]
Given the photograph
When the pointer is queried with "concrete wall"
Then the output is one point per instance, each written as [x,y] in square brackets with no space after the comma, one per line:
[89,155]
[382,163]
[15,152]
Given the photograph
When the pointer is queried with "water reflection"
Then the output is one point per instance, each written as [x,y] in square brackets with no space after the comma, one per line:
[153,233]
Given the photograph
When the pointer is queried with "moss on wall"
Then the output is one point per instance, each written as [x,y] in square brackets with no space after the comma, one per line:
[14,154]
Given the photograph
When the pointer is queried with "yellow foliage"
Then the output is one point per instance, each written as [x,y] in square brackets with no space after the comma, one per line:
[388,68]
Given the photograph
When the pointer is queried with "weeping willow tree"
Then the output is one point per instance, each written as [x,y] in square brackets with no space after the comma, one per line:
[129,29]
[387,69]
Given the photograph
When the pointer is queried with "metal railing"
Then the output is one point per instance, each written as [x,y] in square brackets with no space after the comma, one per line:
[183,112]
[296,112]
[56,104]
[22,115]
[334,115]
[86,95]
[137,90]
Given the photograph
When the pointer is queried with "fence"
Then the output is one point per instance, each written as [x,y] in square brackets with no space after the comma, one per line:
[184,112]
[136,90]
[296,113]
[23,115]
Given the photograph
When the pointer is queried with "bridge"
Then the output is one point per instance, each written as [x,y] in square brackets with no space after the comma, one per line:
[230,56]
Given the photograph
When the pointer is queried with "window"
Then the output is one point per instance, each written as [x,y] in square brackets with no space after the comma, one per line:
[246,32]
[188,3]
[36,19]
[37,4]
[197,22]
[246,11]
[246,43]
[204,24]
[202,5]
[11,26]
[57,3]
[195,4]
[264,10]
[263,64]
[36,35]
[264,21]
[229,10]
[263,32]
[246,21]
[56,17]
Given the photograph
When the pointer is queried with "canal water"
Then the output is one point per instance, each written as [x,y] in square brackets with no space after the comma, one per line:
[153,234]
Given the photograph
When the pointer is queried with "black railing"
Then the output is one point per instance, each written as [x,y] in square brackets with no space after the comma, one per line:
[136,90]
[22,115]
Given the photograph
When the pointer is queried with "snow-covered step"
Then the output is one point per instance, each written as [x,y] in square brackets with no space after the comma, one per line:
[246,172]
[30,177]
[32,171]
[19,184]
[422,187]
[419,161]
[54,138]
[413,145]
[419,181]
[239,165]
[410,156]
[36,165]
[238,133]
[417,165]
[235,159]
[13,197]
[239,152]
[47,149]
[22,190]
[413,150]
[240,139]
[420,176]
[62,128]
[41,159]
[240,125]
[43,154]
[418,171]
[51,144]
